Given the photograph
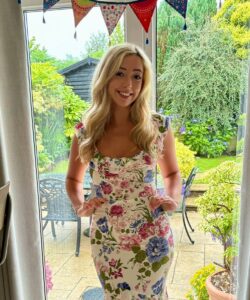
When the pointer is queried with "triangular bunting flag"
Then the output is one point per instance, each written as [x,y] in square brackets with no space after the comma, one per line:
[144,11]
[47,4]
[179,5]
[80,9]
[116,1]
[111,14]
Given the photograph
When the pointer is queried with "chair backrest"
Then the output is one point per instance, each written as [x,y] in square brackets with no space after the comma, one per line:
[53,195]
[189,181]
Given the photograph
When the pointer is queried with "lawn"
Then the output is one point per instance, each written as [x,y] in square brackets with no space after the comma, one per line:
[205,164]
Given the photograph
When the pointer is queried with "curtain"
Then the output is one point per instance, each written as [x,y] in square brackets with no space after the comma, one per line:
[243,291]
[22,274]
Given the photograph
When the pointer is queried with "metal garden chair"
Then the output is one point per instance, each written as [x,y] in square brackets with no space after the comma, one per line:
[185,193]
[56,206]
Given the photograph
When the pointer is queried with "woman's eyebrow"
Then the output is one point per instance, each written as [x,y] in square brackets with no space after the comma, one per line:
[137,70]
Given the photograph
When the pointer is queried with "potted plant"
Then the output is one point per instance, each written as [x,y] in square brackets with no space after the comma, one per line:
[219,208]
[197,282]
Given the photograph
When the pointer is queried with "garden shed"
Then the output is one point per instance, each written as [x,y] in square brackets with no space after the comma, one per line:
[79,76]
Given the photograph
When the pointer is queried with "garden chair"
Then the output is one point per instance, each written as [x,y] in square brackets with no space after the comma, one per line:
[185,193]
[56,206]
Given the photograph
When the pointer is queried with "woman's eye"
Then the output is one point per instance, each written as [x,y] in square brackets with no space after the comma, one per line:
[119,74]
[138,77]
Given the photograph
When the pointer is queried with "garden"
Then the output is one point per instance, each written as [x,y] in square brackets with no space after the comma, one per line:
[201,87]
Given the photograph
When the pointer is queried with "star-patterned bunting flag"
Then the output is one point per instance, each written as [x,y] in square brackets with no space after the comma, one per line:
[47,4]
[144,11]
[179,5]
[111,14]
[81,9]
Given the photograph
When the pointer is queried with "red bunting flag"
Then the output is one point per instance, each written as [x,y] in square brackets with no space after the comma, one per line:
[111,14]
[81,9]
[144,11]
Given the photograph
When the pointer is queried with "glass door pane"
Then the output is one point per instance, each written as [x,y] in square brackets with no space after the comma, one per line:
[61,68]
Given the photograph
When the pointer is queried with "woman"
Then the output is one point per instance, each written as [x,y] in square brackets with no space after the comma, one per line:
[122,141]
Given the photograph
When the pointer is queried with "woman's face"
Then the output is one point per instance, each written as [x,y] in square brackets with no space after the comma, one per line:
[125,86]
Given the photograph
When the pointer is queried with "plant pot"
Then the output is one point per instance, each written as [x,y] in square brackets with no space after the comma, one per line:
[214,293]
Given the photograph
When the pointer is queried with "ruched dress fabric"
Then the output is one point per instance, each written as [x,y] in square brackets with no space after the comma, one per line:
[132,247]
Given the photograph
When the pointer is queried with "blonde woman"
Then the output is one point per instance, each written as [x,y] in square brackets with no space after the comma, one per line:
[122,141]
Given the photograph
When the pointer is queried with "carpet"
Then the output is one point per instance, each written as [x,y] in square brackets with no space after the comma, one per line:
[93,293]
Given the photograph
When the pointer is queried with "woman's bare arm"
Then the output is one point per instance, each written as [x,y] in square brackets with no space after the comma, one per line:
[169,168]
[75,175]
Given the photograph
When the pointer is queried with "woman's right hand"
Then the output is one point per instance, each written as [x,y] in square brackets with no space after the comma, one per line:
[88,207]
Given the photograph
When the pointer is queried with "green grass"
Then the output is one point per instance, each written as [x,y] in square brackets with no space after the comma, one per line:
[205,164]
[60,167]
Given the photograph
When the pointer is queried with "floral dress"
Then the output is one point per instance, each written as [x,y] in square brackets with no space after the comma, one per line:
[132,247]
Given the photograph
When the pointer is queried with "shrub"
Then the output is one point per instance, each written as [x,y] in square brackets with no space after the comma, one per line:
[205,139]
[185,158]
[219,208]
[197,282]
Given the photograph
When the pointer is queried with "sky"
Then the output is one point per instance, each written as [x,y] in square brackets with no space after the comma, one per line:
[57,34]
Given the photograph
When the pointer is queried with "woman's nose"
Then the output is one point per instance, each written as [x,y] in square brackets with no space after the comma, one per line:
[127,82]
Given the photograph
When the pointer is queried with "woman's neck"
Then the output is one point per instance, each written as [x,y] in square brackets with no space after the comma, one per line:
[120,116]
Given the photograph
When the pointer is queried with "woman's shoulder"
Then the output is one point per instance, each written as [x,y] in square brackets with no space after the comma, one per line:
[161,121]
[80,131]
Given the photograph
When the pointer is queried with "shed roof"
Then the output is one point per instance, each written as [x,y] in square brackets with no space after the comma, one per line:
[80,64]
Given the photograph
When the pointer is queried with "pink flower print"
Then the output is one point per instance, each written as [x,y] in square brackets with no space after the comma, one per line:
[143,194]
[127,242]
[171,241]
[107,174]
[79,125]
[117,273]
[149,190]
[124,184]
[147,159]
[146,230]
[112,263]
[163,226]
[116,210]
[106,188]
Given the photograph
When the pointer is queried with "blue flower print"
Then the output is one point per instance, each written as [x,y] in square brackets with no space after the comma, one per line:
[149,176]
[124,286]
[157,212]
[141,296]
[102,224]
[98,191]
[156,249]
[92,165]
[157,287]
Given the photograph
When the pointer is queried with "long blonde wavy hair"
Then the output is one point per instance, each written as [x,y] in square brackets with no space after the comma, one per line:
[98,115]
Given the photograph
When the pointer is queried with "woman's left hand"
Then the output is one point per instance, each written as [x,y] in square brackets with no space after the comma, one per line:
[166,202]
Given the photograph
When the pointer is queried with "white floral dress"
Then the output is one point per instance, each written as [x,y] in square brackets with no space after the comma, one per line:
[132,247]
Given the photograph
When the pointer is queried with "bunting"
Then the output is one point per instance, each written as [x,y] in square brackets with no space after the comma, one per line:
[81,9]
[111,14]
[144,12]
[115,2]
[179,5]
[47,4]
[113,9]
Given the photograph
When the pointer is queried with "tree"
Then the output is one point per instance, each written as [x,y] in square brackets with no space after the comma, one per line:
[170,26]
[234,16]
[98,43]
[198,82]
[41,55]
[56,110]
